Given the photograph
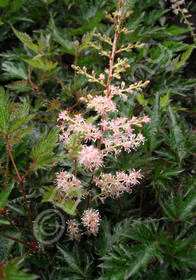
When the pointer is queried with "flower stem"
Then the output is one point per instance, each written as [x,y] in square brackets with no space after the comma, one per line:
[22,186]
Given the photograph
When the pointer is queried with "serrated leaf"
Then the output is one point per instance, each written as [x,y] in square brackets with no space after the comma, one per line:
[12,271]
[181,59]
[164,100]
[51,194]
[6,245]
[71,261]
[188,205]
[178,208]
[4,196]
[168,172]
[42,154]
[41,63]
[141,261]
[5,110]
[106,239]
[63,40]
[18,125]
[68,206]
[26,39]
[16,70]
[152,129]
[177,138]
[21,86]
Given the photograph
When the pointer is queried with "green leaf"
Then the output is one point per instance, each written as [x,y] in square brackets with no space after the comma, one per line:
[42,154]
[165,100]
[20,86]
[51,194]
[68,206]
[5,110]
[12,271]
[4,196]
[19,123]
[180,208]
[152,129]
[64,41]
[188,205]
[168,172]
[144,231]
[106,239]
[41,63]
[71,261]
[144,256]
[141,99]
[16,70]
[181,59]
[178,138]
[6,245]
[26,39]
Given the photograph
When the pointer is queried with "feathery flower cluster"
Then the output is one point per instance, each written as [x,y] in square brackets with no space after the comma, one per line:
[101,104]
[176,6]
[115,186]
[73,229]
[90,157]
[69,185]
[77,126]
[120,134]
[91,220]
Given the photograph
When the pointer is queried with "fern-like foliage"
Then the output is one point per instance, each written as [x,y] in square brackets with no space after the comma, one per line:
[5,110]
[12,271]
[146,242]
[43,155]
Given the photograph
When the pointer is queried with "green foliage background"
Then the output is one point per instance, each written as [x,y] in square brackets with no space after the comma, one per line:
[149,234]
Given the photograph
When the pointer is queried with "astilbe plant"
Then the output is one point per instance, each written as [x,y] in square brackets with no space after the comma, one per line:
[88,141]
[99,133]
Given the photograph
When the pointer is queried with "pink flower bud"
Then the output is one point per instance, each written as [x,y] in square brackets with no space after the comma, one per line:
[122,84]
[102,76]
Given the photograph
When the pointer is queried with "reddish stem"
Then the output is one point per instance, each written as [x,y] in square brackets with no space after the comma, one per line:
[21,184]
[16,239]
[10,175]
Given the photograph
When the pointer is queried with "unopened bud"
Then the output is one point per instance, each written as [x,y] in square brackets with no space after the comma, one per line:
[122,84]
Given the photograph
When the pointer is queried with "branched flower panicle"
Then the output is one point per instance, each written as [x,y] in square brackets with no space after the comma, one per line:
[119,134]
[91,220]
[115,186]
[88,141]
